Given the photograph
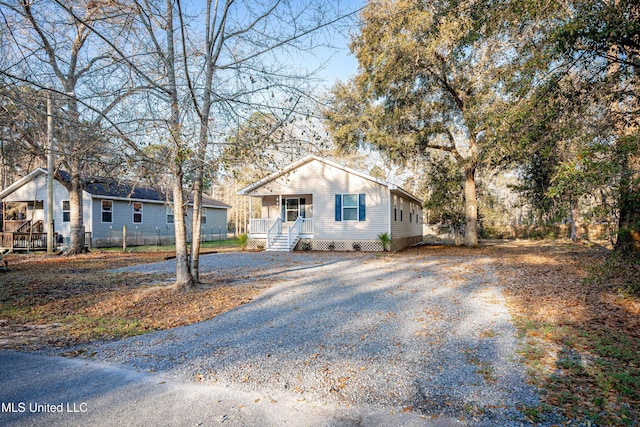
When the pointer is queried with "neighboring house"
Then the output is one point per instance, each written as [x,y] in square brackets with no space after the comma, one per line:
[108,205]
[321,205]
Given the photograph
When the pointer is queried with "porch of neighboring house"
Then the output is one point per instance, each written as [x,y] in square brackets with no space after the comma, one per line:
[284,220]
[23,226]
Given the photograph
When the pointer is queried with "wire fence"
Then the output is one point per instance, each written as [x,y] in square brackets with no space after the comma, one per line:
[158,237]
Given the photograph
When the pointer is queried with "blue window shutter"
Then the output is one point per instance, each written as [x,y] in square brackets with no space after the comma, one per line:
[282,211]
[338,207]
[303,212]
[362,207]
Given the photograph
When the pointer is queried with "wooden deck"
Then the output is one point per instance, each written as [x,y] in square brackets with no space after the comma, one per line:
[17,241]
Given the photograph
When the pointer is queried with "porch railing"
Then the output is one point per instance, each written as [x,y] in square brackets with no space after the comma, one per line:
[260,226]
[273,232]
[306,226]
[294,231]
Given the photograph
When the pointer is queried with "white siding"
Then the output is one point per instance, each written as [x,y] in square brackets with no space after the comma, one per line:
[324,181]
[37,190]
[404,223]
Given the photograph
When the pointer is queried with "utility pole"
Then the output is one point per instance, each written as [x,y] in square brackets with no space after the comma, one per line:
[50,201]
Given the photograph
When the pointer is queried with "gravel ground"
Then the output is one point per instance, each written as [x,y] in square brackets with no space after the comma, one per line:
[407,333]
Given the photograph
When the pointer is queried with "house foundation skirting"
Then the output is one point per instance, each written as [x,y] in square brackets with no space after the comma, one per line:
[325,245]
[340,245]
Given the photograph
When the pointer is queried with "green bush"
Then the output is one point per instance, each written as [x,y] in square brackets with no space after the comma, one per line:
[243,239]
[385,240]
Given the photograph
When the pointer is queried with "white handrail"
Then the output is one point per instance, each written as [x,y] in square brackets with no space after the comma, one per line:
[275,229]
[296,228]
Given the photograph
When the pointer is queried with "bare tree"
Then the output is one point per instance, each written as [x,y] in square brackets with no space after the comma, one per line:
[211,69]
[51,48]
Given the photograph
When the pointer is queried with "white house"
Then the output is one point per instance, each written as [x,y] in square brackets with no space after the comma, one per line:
[108,205]
[319,204]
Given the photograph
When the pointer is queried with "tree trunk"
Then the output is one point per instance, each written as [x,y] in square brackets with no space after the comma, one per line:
[629,202]
[575,224]
[471,208]
[629,161]
[76,224]
[196,232]
[470,197]
[184,280]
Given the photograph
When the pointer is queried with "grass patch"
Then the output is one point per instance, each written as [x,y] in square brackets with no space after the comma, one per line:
[577,314]
[93,327]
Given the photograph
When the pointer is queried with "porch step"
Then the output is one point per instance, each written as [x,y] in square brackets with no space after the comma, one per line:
[281,244]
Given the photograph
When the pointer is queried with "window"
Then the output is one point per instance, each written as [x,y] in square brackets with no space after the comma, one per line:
[350,207]
[66,211]
[137,212]
[203,216]
[395,208]
[169,214]
[107,211]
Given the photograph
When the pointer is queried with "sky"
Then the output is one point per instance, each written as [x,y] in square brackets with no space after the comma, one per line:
[341,63]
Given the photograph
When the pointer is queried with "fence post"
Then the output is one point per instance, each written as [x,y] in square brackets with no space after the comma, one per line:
[124,238]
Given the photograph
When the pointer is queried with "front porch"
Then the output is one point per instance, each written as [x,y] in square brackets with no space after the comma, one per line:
[278,235]
[285,219]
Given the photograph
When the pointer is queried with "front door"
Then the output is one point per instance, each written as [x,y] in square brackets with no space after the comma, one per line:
[292,208]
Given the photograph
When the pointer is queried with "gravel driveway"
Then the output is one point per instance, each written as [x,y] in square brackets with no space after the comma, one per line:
[399,332]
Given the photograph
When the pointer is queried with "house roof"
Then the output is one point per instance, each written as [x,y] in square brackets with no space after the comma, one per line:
[293,166]
[22,181]
[109,188]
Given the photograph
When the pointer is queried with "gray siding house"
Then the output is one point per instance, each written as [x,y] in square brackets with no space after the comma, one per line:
[319,204]
[108,206]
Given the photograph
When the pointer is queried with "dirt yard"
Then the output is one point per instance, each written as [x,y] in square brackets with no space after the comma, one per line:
[579,328]
[53,301]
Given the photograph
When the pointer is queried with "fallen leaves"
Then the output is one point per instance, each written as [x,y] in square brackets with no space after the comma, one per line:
[87,303]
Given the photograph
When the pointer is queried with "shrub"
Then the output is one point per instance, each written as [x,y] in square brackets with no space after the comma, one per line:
[356,246]
[385,240]
[305,246]
[243,239]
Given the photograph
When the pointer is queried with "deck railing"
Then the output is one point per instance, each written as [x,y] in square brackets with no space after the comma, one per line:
[26,241]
